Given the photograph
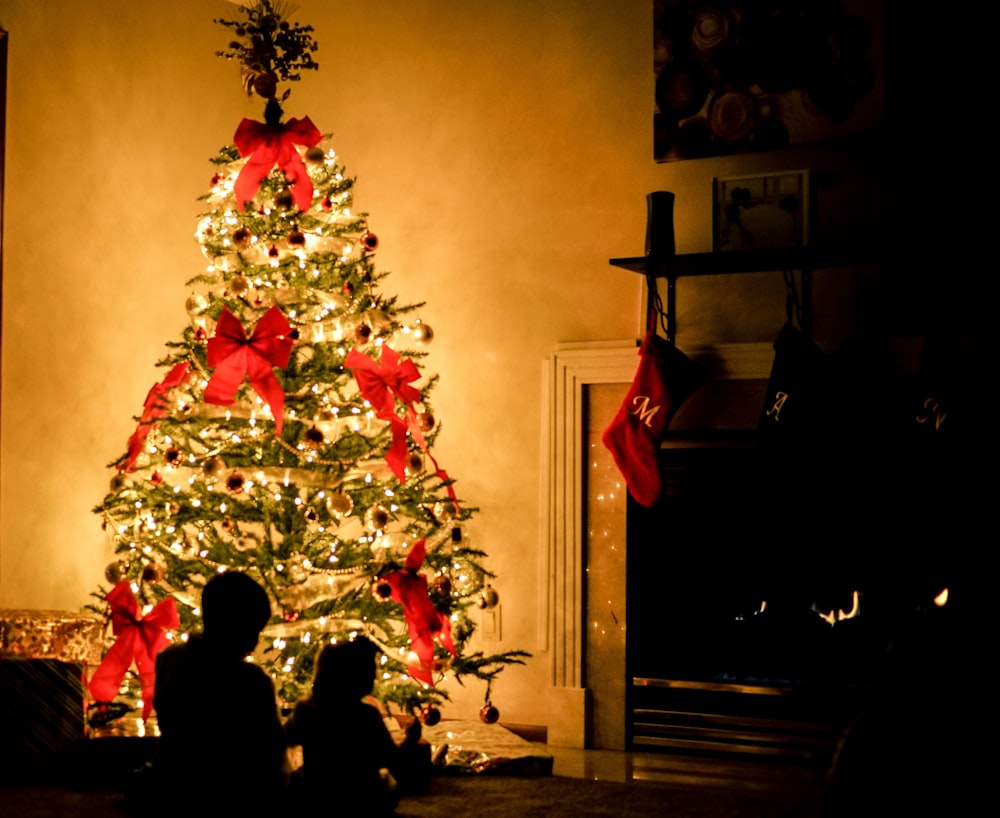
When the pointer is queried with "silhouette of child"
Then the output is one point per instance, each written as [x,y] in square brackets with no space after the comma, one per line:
[348,753]
[221,749]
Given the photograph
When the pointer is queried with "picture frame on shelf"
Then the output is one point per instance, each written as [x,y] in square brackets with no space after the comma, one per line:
[759,211]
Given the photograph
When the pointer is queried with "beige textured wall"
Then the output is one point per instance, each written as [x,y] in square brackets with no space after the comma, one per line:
[503,152]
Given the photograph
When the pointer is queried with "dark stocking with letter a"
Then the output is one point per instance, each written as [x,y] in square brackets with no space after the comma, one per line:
[663,381]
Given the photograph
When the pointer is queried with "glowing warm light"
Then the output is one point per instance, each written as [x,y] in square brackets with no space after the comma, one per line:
[833,617]
[942,598]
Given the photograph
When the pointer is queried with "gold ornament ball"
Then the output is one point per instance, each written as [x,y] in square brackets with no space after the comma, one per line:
[120,482]
[444,510]
[376,518]
[239,285]
[488,597]
[213,467]
[422,333]
[339,504]
[315,154]
[115,572]
[414,463]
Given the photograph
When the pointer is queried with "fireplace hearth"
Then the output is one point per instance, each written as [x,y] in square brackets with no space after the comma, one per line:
[775,597]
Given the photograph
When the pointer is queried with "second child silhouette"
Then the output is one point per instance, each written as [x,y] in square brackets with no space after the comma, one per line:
[348,754]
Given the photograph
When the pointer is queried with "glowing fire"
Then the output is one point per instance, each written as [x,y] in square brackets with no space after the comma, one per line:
[833,617]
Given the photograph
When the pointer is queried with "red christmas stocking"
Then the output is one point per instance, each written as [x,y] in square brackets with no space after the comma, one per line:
[663,381]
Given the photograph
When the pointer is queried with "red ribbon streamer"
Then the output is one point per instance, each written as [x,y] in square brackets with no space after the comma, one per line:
[140,639]
[418,435]
[424,621]
[270,145]
[153,410]
[236,356]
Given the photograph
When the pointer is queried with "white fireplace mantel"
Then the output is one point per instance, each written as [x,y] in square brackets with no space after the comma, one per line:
[571,369]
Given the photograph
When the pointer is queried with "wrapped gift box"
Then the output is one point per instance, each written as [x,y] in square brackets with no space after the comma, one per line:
[44,656]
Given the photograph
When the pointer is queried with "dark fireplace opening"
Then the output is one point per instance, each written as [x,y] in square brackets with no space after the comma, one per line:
[773,595]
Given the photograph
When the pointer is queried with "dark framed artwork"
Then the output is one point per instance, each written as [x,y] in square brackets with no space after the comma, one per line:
[763,211]
[747,76]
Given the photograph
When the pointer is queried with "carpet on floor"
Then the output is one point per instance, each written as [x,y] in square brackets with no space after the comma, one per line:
[482,796]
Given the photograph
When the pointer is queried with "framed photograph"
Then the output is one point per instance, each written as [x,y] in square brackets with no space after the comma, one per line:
[763,211]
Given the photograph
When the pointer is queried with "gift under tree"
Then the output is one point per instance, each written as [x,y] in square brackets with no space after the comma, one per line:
[292,435]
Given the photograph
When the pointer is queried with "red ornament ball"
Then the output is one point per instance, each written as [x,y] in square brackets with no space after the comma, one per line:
[381,590]
[241,237]
[289,615]
[489,714]
[152,572]
[369,242]
[234,482]
[431,715]
[442,585]
[363,333]
[265,84]
[313,437]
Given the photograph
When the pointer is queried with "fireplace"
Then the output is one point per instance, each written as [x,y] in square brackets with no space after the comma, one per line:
[768,598]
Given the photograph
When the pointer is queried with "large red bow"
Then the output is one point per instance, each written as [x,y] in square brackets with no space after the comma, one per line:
[270,145]
[153,410]
[425,622]
[378,382]
[140,639]
[235,357]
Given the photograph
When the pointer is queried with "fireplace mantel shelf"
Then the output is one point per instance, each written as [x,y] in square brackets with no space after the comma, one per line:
[758,260]
[753,261]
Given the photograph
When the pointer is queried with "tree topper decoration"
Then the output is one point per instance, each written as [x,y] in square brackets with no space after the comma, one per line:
[269,47]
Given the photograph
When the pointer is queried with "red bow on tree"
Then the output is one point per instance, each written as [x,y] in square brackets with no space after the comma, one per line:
[140,639]
[425,622]
[153,410]
[270,145]
[380,383]
[235,357]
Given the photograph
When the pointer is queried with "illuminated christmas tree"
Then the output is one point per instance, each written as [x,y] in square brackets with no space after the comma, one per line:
[292,435]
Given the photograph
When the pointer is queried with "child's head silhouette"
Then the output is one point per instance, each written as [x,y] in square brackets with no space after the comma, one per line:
[234,610]
[345,670]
